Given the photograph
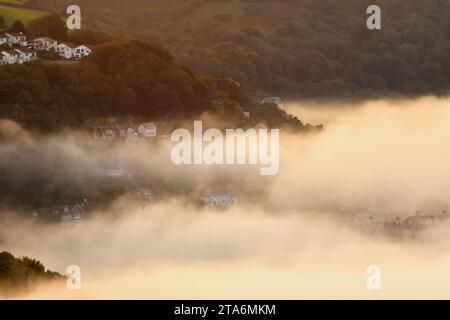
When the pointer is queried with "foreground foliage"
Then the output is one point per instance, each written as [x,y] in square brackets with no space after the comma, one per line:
[20,274]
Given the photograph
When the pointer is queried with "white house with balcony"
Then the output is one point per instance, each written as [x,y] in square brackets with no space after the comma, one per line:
[26,55]
[17,39]
[66,50]
[81,51]
[147,130]
[45,44]
[17,56]
[10,57]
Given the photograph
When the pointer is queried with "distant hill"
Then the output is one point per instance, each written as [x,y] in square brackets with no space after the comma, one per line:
[301,47]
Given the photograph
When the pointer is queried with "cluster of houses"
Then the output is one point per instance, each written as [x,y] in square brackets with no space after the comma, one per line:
[66,214]
[397,227]
[73,213]
[218,199]
[15,48]
[130,132]
[72,51]
[147,130]
[17,56]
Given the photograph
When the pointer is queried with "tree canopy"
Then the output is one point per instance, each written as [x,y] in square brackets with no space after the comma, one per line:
[122,79]
[307,48]
[19,274]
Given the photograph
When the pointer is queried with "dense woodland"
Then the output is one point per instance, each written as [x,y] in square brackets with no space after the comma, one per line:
[295,47]
[120,80]
[291,48]
[19,274]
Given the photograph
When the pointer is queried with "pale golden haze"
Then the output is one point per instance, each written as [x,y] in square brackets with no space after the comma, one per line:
[387,157]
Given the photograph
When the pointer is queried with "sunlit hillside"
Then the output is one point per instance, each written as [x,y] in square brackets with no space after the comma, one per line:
[292,47]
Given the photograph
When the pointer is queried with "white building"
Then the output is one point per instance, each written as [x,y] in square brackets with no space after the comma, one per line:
[11,57]
[66,50]
[17,56]
[104,133]
[218,199]
[72,213]
[4,39]
[132,135]
[81,51]
[147,130]
[274,100]
[4,58]
[17,38]
[26,55]
[45,43]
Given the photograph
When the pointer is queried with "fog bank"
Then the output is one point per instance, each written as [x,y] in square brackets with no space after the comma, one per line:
[289,237]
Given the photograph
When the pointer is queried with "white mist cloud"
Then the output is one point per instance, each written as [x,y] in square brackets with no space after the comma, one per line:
[389,157]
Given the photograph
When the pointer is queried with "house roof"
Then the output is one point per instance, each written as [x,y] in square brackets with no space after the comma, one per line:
[84,45]
[71,45]
[260,126]
[272,99]
[45,39]
[218,197]
[148,125]
[25,50]
[9,52]
[14,34]
[124,126]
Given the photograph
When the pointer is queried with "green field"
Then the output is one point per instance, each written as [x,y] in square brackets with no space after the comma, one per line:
[12,14]
[13,1]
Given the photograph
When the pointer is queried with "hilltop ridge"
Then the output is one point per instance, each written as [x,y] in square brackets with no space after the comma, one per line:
[296,48]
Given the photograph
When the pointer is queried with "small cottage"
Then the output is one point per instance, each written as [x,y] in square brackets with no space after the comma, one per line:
[219,199]
[147,130]
[81,51]
[45,44]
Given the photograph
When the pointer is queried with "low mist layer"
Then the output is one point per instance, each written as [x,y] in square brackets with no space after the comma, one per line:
[289,236]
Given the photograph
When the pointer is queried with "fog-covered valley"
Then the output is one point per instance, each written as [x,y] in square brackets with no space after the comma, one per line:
[292,235]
